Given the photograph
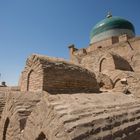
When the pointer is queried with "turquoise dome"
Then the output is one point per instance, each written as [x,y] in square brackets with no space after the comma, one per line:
[111,26]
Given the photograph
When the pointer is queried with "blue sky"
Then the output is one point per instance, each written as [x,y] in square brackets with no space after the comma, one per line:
[49,26]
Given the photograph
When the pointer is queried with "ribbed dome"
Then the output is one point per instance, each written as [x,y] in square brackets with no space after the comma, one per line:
[111,26]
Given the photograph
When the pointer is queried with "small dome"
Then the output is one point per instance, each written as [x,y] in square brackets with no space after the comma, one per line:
[111,26]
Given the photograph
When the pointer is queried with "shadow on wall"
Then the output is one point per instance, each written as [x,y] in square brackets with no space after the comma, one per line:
[112,61]
[5,128]
[41,137]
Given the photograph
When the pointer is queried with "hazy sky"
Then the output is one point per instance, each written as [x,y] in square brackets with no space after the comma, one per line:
[49,26]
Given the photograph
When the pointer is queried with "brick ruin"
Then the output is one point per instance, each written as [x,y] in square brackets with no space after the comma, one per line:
[93,96]
[56,75]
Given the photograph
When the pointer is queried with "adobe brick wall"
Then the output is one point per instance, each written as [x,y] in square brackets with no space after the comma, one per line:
[103,43]
[68,78]
[32,77]
[84,117]
[127,50]
[56,75]
[17,107]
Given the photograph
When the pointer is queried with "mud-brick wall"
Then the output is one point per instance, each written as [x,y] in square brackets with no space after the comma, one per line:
[128,50]
[32,76]
[56,76]
[2,101]
[63,77]
[103,43]
[32,80]
[92,60]
[35,81]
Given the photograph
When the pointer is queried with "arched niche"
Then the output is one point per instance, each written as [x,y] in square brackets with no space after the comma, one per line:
[29,79]
[112,61]
[102,63]
[116,82]
[34,80]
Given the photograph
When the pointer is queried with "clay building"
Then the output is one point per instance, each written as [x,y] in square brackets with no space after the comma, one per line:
[92,96]
[113,47]
[56,75]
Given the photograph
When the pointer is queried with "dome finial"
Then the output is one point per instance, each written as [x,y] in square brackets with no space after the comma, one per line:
[109,14]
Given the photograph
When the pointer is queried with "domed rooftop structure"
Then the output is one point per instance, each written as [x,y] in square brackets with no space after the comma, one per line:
[111,26]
